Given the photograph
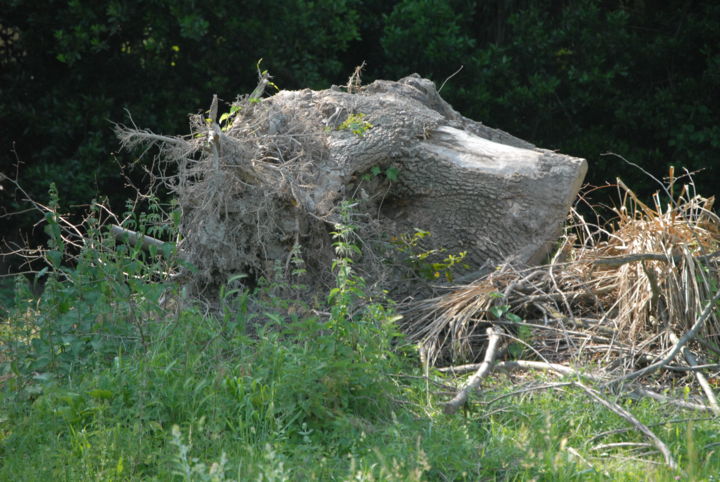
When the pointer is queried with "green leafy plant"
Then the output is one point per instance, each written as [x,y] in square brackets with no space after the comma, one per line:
[522,331]
[356,124]
[327,396]
[189,468]
[226,118]
[391,173]
[355,342]
[500,312]
[97,298]
[428,263]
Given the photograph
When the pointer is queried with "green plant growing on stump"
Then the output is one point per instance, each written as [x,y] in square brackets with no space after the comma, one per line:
[356,124]
[426,262]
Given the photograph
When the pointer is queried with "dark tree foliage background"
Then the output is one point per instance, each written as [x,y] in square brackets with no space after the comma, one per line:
[639,78]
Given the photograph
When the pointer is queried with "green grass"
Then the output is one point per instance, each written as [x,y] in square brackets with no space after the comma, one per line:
[279,407]
[102,382]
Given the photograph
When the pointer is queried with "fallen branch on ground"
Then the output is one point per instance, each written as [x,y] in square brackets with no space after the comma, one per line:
[565,370]
[518,365]
[689,335]
[462,396]
[532,388]
[620,444]
[644,392]
[701,378]
[660,424]
[618,410]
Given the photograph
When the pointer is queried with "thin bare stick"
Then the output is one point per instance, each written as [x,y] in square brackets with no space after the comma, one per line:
[672,401]
[519,365]
[660,424]
[462,396]
[451,76]
[621,412]
[134,137]
[574,452]
[536,365]
[694,368]
[532,388]
[689,335]
[620,444]
[702,380]
[565,370]
[460,369]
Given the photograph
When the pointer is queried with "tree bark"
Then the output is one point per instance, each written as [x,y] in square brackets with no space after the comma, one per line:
[274,174]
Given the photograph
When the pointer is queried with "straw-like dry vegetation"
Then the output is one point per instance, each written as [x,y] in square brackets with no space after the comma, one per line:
[626,296]
[630,304]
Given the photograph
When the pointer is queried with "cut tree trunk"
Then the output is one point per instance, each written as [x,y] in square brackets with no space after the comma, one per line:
[273,177]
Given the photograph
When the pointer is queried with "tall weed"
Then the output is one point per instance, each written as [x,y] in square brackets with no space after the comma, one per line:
[98,298]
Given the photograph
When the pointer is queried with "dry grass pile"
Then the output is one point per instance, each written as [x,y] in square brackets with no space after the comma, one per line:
[619,294]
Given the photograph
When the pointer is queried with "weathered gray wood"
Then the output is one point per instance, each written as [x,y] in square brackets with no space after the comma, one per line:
[275,176]
[474,188]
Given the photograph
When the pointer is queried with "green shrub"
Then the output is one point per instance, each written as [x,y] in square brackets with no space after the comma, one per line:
[96,303]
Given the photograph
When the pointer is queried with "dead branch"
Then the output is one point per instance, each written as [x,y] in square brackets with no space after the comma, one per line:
[519,365]
[462,396]
[659,424]
[689,335]
[644,392]
[701,378]
[577,454]
[621,412]
[565,370]
[532,388]
[553,367]
[620,445]
[615,261]
[133,237]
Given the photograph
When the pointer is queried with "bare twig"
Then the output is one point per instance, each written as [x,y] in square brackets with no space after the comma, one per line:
[519,365]
[577,454]
[532,388]
[672,401]
[694,368]
[451,76]
[659,424]
[620,444]
[565,370]
[553,367]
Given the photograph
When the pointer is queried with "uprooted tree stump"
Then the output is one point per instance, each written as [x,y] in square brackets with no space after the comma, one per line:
[261,186]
